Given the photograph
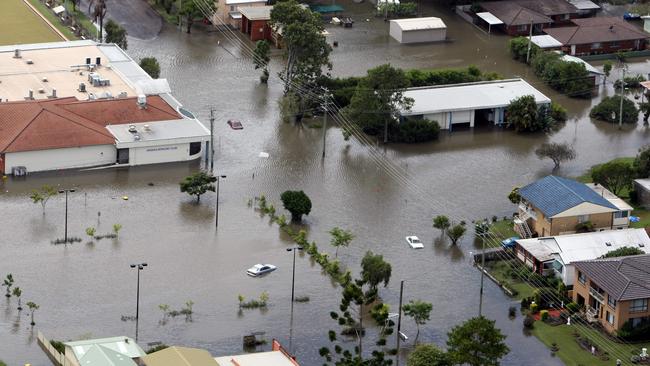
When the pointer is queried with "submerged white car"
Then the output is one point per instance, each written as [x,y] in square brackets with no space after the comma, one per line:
[414,242]
[260,269]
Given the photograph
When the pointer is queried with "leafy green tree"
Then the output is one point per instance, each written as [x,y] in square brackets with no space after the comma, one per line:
[420,312]
[514,196]
[116,34]
[456,232]
[32,308]
[608,110]
[198,184]
[428,355]
[615,175]
[523,114]
[90,231]
[476,342]
[441,222]
[297,203]
[117,228]
[376,104]
[642,162]
[97,14]
[340,238]
[518,47]
[43,195]
[558,152]
[623,252]
[151,66]
[607,69]
[18,292]
[261,58]
[191,12]
[375,270]
[307,49]
[75,3]
[8,283]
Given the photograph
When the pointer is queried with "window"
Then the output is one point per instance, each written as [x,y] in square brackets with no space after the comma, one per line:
[195,148]
[609,317]
[522,27]
[583,218]
[566,16]
[639,305]
[595,46]
[582,278]
[621,214]
[232,8]
[611,302]
[613,44]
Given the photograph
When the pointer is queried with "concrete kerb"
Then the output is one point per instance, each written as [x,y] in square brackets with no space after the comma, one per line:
[45,20]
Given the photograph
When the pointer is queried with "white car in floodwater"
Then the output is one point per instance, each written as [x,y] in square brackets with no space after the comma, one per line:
[260,269]
[414,242]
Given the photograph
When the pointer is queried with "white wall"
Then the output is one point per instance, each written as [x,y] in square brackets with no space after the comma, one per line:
[395,32]
[425,35]
[67,158]
[441,118]
[162,154]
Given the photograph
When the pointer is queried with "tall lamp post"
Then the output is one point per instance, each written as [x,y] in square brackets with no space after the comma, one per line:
[139,267]
[293,282]
[66,211]
[216,213]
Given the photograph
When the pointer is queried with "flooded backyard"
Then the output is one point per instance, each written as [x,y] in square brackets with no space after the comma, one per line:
[84,289]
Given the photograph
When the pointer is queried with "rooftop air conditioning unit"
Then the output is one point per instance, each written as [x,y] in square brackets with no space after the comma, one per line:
[142,101]
[122,95]
[98,61]
[88,60]
[29,61]
[17,53]
[53,95]
[82,88]
[30,94]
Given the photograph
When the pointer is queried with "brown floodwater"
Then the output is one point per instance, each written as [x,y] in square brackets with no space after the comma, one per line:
[84,289]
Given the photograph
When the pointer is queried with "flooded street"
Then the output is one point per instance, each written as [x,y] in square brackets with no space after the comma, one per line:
[84,289]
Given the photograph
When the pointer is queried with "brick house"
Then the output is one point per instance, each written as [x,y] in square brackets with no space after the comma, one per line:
[614,290]
[556,206]
[255,22]
[228,11]
[517,15]
[589,36]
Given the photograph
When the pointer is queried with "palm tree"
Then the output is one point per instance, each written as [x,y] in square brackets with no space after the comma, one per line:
[32,308]
[18,292]
[98,14]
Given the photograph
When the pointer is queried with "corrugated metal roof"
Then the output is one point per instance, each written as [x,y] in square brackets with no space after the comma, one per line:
[489,18]
[584,4]
[256,12]
[103,356]
[273,358]
[623,278]
[413,24]
[469,96]
[586,246]
[123,345]
[546,41]
[553,195]
[180,356]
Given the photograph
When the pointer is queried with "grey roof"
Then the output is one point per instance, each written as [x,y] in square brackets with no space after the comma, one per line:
[553,195]
[512,13]
[256,12]
[103,356]
[623,278]
[124,345]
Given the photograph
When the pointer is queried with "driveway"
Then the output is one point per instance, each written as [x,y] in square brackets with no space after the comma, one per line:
[136,16]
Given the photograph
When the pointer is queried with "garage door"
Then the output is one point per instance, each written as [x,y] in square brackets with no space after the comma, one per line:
[461,117]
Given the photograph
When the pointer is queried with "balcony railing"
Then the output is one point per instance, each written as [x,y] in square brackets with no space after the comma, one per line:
[596,295]
[523,208]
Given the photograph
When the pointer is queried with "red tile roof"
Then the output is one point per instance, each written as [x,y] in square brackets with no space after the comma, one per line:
[67,122]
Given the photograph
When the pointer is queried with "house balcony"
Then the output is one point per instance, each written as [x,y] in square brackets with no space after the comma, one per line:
[596,295]
[525,212]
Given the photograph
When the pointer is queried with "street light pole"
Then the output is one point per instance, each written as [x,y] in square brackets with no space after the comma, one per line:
[65,237]
[216,213]
[140,267]
[211,140]
[620,112]
[399,320]
[293,282]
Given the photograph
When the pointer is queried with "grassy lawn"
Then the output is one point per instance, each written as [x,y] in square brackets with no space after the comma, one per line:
[19,24]
[503,229]
[169,18]
[572,354]
[499,270]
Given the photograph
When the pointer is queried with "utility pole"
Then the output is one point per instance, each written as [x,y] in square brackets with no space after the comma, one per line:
[620,111]
[66,191]
[293,285]
[216,210]
[139,267]
[480,296]
[530,40]
[211,140]
[399,320]
[325,101]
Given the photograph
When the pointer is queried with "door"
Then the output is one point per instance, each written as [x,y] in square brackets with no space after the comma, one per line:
[122,156]
[2,164]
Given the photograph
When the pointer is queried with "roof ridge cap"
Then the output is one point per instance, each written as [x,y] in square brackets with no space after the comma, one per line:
[99,130]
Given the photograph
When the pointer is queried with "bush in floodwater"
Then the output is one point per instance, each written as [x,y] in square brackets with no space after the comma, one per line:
[71,239]
[58,345]
[529,322]
[254,304]
[544,315]
[512,311]
[301,299]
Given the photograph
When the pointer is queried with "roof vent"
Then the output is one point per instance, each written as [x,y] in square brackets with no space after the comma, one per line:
[41,91]
[17,53]
[29,61]
[147,128]
[44,80]
[608,244]
[132,129]
[142,101]
[107,95]
[92,96]
[98,61]
[82,88]
[53,95]
[641,245]
[136,137]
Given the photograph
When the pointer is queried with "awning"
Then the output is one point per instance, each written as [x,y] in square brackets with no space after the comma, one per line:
[489,18]
[58,10]
[584,4]
[546,41]
[235,15]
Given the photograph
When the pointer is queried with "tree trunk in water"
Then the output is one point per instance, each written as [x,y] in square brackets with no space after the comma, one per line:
[198,198]
[101,29]
[189,25]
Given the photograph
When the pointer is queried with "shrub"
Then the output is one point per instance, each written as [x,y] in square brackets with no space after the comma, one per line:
[415,130]
[59,346]
[544,315]
[558,113]
[529,322]
[608,110]
[533,308]
[585,227]
[518,47]
[570,78]
[151,66]
[512,311]
[640,332]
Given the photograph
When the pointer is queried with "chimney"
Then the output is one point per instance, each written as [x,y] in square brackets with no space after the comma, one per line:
[17,53]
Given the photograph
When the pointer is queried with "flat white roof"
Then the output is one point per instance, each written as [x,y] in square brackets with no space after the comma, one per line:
[588,66]
[470,96]
[273,358]
[182,130]
[645,183]
[489,18]
[586,246]
[584,4]
[236,2]
[545,41]
[413,24]
[123,345]
[611,197]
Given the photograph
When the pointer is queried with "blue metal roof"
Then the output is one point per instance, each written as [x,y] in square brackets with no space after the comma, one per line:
[553,195]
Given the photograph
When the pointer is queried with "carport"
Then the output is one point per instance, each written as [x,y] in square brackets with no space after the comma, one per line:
[490,19]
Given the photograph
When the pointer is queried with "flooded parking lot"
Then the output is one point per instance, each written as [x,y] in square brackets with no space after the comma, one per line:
[86,288]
